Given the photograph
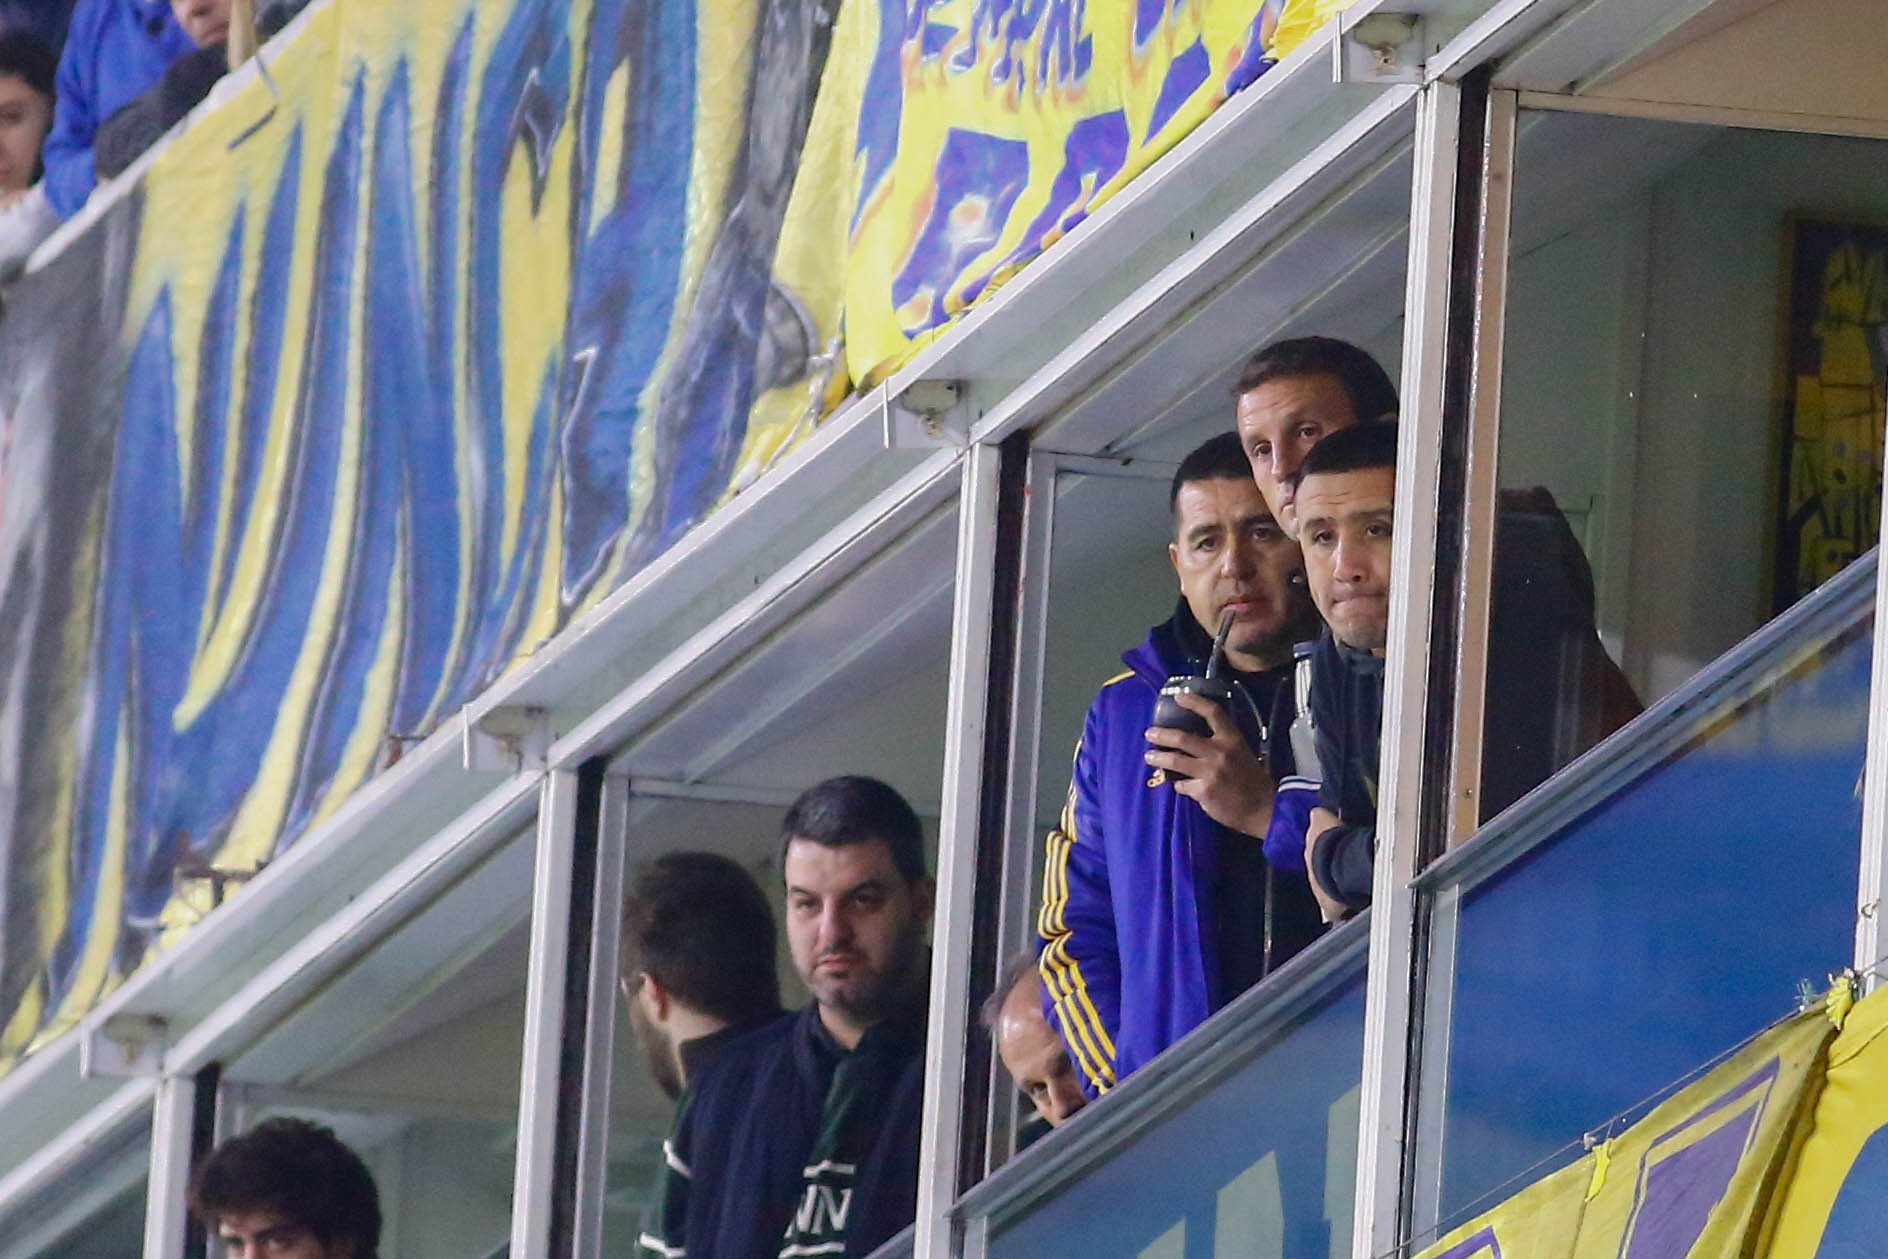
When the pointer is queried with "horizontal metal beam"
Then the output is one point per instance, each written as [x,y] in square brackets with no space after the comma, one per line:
[126,1108]
[795,587]
[368,920]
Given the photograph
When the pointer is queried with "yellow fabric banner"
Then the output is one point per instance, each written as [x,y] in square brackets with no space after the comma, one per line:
[1689,1180]
[1834,1200]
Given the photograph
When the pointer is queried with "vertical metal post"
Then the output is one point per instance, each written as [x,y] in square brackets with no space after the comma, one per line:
[976,758]
[1416,736]
[534,1180]
[1871,943]
[173,1126]
[1490,307]
[205,1118]
[606,944]
[1015,894]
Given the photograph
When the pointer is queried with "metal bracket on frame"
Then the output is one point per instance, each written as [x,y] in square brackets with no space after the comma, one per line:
[124,1045]
[928,415]
[1380,48]
[507,739]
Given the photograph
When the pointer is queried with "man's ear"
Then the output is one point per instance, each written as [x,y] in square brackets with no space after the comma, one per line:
[654,997]
[924,897]
[1173,556]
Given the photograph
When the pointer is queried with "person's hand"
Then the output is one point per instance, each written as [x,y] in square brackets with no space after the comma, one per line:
[1230,783]
[1322,820]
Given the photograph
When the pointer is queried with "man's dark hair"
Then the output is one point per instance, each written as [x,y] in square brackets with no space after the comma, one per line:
[1018,968]
[699,924]
[1372,394]
[1219,458]
[1351,450]
[26,57]
[857,810]
[295,1169]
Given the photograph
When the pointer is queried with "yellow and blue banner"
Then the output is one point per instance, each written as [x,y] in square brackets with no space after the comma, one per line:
[1833,1202]
[403,356]
[1689,1181]
[1781,1151]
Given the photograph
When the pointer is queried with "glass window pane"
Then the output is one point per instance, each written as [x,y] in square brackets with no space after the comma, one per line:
[1259,1163]
[1691,411]
[412,1057]
[1664,925]
[95,1211]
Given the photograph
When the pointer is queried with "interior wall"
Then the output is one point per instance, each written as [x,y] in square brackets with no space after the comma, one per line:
[1641,379]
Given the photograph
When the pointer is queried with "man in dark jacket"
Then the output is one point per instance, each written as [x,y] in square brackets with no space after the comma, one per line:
[1345,494]
[1175,878]
[802,1138]
[698,962]
[1553,691]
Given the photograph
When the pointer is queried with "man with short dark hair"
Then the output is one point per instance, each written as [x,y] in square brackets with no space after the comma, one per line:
[1553,691]
[1174,880]
[1293,393]
[1346,493]
[1028,1047]
[287,1189]
[803,1137]
[698,961]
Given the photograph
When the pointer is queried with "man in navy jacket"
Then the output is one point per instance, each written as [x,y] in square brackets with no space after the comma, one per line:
[1174,880]
[802,1137]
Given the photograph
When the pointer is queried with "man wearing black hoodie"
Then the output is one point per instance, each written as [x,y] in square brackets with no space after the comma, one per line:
[1345,492]
[803,1137]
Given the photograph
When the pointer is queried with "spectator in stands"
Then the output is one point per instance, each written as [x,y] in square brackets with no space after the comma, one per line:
[698,961]
[127,134]
[1344,498]
[803,1137]
[1175,879]
[1028,1046]
[26,103]
[288,1189]
[116,50]
[1290,394]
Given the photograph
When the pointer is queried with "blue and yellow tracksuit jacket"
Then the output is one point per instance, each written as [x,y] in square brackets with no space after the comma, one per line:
[1130,951]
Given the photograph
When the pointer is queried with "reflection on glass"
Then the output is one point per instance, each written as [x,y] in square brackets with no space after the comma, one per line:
[95,1211]
[1661,928]
[1260,1164]
[1663,311]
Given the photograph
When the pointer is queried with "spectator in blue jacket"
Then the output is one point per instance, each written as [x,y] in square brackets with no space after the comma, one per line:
[1175,879]
[116,50]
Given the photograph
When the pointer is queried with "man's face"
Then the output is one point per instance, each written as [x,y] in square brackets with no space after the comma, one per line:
[1230,554]
[205,21]
[266,1234]
[1344,524]
[25,117]
[854,926]
[1281,420]
[658,1045]
[1035,1056]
